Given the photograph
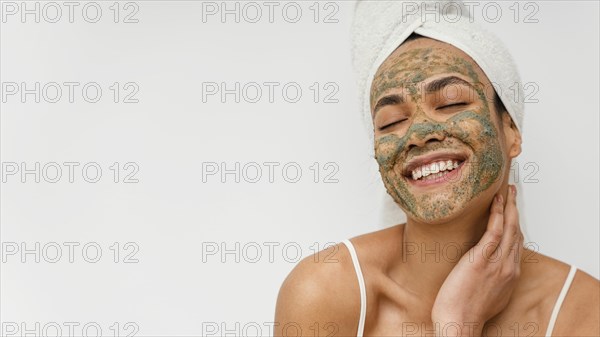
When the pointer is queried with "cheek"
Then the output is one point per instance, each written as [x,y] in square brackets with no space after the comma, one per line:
[474,133]
[387,150]
[476,129]
[488,160]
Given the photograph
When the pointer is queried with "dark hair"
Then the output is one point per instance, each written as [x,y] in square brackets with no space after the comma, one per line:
[413,36]
[498,105]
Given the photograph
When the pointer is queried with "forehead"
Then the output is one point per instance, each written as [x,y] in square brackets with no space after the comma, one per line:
[417,60]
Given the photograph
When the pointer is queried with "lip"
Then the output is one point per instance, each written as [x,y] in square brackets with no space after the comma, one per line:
[412,164]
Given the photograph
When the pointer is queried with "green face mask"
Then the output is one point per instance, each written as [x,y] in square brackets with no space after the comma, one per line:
[470,130]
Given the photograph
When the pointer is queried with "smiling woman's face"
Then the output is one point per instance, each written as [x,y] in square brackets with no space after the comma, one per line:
[439,141]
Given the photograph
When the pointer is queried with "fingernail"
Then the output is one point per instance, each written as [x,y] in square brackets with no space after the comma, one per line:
[514,189]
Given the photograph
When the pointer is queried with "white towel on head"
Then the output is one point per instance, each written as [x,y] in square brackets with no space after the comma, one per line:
[380,26]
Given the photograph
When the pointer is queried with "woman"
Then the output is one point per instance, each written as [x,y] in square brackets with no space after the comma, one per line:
[444,141]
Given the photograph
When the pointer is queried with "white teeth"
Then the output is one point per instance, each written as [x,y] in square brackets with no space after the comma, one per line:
[434,170]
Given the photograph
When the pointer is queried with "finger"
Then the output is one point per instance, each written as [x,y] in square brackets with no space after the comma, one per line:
[517,250]
[512,229]
[493,234]
[520,249]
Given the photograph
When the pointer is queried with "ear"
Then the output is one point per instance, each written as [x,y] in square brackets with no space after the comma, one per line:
[512,136]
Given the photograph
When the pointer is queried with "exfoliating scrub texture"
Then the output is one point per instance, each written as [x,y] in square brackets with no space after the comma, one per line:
[471,130]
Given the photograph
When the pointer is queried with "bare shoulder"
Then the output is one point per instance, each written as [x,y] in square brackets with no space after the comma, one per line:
[320,295]
[376,249]
[322,291]
[579,314]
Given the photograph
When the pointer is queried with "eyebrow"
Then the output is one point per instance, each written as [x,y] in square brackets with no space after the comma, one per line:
[388,100]
[441,83]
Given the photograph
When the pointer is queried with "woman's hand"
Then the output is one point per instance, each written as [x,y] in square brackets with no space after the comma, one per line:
[481,284]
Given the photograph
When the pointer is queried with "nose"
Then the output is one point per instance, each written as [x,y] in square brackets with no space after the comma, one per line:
[424,133]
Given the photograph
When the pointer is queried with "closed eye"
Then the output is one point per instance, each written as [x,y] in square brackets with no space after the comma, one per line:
[452,105]
[392,124]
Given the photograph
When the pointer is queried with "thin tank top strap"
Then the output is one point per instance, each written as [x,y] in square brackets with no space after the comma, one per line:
[559,300]
[361,285]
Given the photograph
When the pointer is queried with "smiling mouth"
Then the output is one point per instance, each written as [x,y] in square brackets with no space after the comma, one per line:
[450,174]
[434,168]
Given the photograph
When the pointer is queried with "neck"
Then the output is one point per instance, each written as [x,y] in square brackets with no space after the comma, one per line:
[430,251]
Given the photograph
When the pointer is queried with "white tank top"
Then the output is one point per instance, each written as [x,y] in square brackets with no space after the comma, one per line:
[363,294]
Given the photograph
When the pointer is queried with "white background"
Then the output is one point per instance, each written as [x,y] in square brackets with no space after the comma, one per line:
[171,216]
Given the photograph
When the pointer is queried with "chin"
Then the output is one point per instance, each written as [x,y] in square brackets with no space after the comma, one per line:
[440,209]
[437,211]
[445,205]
